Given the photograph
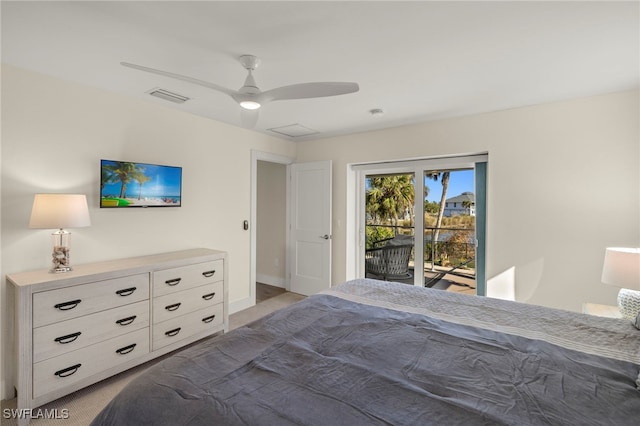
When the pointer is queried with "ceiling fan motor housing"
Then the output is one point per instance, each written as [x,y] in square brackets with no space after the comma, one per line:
[249,62]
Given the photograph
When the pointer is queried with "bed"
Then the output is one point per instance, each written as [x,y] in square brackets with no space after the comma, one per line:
[370,352]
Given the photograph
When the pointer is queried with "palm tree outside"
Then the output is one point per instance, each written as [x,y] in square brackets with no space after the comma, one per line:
[390,199]
[443,202]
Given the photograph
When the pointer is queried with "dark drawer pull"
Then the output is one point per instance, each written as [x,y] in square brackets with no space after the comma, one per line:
[173,307]
[209,296]
[68,371]
[67,305]
[126,349]
[173,332]
[208,319]
[209,273]
[173,282]
[126,291]
[126,321]
[68,338]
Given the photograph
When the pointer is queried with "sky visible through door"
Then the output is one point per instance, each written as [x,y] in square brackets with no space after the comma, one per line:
[459,182]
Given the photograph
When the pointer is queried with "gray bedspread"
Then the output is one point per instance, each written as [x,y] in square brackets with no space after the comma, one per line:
[371,353]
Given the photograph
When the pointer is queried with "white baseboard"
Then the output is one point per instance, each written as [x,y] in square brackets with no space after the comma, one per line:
[240,305]
[270,280]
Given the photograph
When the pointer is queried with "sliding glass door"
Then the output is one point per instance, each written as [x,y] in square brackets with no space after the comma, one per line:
[449,230]
[422,222]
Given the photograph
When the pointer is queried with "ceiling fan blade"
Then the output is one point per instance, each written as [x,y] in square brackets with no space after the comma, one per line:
[309,90]
[181,77]
[248,118]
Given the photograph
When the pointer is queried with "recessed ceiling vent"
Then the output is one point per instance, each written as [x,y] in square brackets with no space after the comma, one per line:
[294,130]
[168,96]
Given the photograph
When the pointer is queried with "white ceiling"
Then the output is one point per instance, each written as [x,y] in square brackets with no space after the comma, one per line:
[418,61]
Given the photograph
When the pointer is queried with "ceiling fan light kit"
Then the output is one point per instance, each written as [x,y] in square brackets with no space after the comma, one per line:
[251,98]
[250,105]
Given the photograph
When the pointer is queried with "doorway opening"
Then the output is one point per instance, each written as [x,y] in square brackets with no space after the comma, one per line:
[268,184]
[306,186]
[271,226]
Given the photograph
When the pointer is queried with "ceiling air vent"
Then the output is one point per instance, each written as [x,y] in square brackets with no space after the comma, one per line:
[168,96]
[293,130]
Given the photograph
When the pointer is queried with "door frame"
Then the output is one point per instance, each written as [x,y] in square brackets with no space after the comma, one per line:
[271,158]
[356,214]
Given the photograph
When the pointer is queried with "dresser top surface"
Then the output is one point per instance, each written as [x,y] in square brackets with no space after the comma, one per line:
[116,267]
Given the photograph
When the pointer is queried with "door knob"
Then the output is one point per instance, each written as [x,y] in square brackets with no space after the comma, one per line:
[324,237]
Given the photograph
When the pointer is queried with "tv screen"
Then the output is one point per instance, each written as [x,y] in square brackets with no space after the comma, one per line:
[127,184]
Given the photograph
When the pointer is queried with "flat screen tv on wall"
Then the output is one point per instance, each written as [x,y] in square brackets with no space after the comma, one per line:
[126,184]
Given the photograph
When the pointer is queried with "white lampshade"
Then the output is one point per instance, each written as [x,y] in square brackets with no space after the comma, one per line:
[622,267]
[59,211]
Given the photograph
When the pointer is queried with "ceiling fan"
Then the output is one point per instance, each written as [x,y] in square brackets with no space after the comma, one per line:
[251,98]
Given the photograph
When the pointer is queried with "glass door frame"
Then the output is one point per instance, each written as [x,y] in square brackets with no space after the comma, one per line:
[417,167]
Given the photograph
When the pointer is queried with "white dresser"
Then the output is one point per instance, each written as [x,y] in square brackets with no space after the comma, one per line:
[76,328]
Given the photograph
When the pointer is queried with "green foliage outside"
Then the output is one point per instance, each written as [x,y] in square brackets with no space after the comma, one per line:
[390,198]
[458,221]
[431,207]
[456,250]
[377,233]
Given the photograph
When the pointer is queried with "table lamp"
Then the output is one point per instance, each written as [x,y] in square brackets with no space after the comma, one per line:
[60,211]
[622,269]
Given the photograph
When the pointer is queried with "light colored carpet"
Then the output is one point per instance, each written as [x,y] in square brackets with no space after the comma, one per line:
[263,308]
[82,406]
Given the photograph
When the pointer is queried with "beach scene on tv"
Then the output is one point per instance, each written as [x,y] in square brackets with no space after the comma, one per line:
[126,184]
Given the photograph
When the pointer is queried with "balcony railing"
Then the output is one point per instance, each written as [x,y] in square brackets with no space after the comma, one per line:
[455,245]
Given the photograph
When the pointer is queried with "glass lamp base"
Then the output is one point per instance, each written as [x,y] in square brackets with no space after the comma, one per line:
[629,303]
[60,258]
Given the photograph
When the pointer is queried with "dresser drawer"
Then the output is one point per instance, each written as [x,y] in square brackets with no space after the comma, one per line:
[72,302]
[176,329]
[176,279]
[66,336]
[64,370]
[175,304]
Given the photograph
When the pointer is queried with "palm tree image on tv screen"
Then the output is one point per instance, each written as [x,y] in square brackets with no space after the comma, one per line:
[128,184]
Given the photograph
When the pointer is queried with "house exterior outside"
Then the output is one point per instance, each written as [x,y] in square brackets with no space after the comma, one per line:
[463,204]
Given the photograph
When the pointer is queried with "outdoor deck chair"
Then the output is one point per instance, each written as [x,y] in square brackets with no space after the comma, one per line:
[389,258]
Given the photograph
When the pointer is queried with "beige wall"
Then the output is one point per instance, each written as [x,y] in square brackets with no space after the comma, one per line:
[271,223]
[563,184]
[54,134]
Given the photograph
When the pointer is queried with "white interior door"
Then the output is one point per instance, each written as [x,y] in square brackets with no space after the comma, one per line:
[310,261]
